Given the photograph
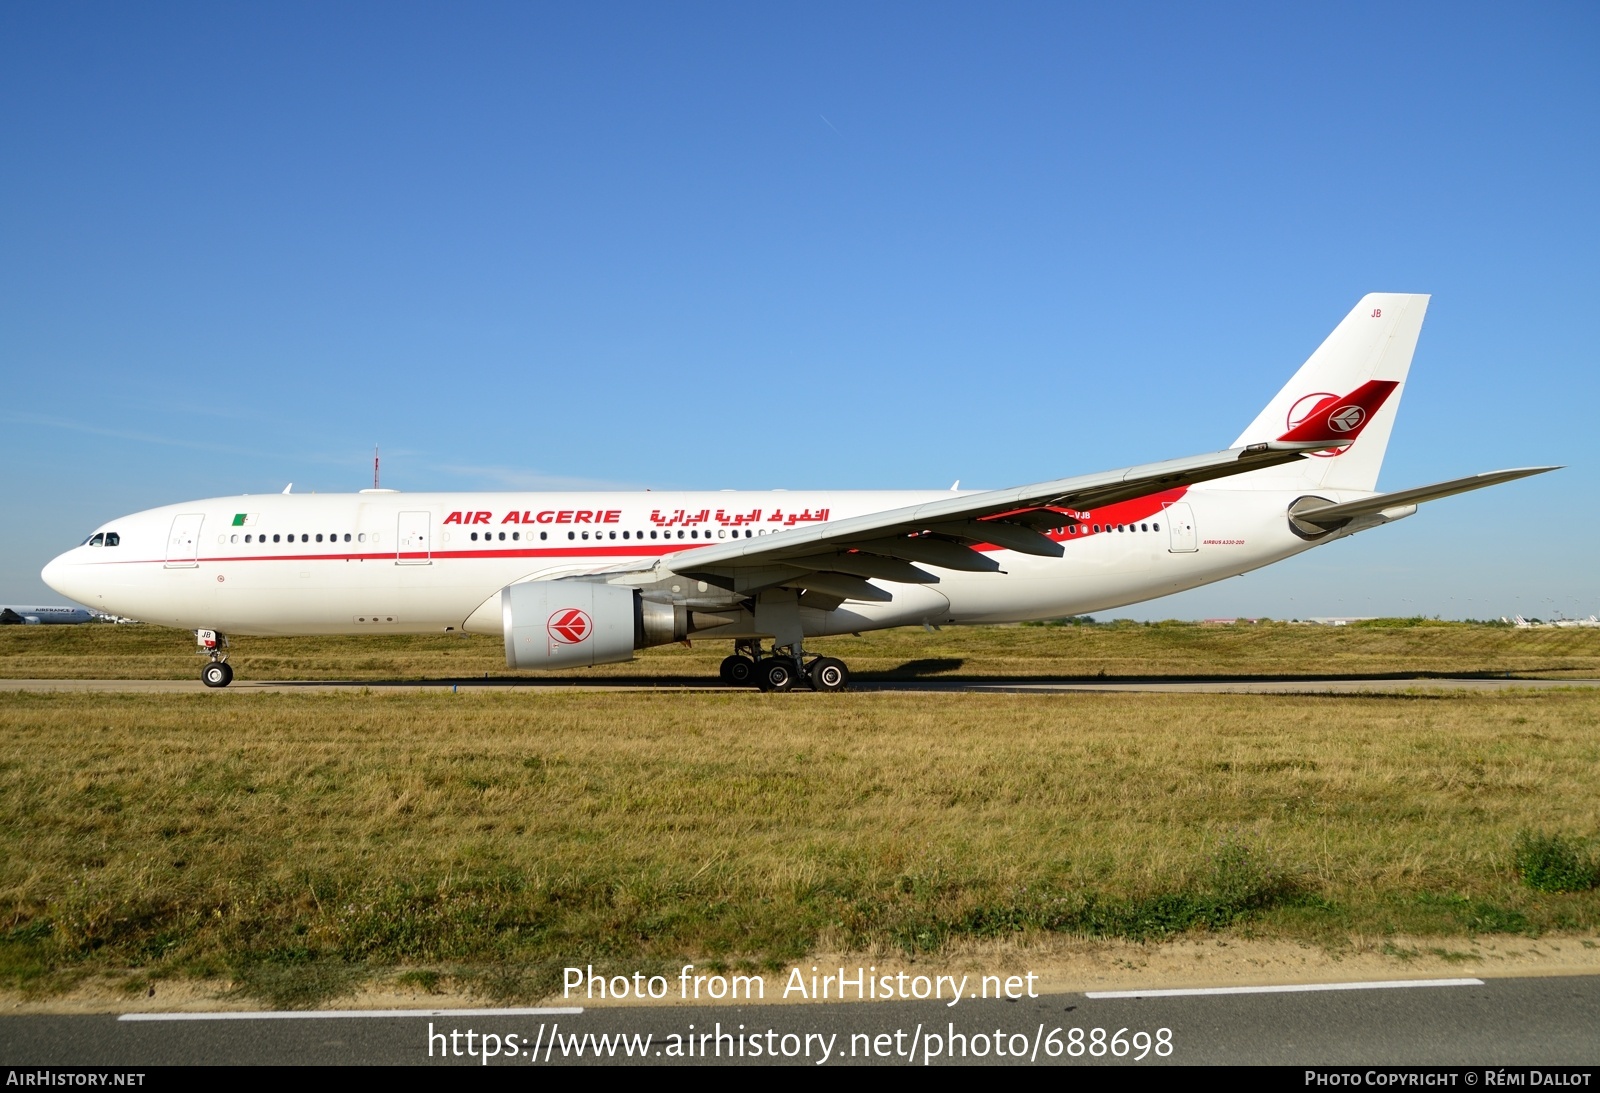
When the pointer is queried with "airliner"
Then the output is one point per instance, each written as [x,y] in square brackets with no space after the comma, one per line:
[586,578]
[13,615]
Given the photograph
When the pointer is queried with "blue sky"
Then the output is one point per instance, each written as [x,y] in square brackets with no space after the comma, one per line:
[885,245]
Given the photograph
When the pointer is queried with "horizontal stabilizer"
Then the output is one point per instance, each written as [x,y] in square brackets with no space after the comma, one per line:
[1331,514]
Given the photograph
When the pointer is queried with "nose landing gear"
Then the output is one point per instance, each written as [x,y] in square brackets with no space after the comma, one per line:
[217,672]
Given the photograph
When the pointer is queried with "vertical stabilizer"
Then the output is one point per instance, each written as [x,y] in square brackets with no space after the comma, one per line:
[1374,342]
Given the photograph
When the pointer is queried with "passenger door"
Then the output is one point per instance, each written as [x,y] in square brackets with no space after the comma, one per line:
[183,544]
[1180,525]
[414,539]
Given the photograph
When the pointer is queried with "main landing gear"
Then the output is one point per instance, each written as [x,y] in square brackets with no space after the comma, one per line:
[217,672]
[782,670]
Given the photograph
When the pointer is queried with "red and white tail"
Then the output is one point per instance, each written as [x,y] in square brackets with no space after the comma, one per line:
[1349,388]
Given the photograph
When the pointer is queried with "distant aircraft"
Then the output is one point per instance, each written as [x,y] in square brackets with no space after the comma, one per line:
[35,616]
[578,579]
[1565,624]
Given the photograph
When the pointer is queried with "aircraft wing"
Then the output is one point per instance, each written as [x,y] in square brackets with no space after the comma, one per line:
[1330,515]
[837,559]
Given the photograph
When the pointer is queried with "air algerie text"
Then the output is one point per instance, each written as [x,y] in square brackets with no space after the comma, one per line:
[549,516]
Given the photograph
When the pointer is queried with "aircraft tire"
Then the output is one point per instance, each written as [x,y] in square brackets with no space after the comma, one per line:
[216,674]
[775,674]
[828,674]
[738,671]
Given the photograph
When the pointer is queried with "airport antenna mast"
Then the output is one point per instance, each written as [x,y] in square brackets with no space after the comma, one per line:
[374,466]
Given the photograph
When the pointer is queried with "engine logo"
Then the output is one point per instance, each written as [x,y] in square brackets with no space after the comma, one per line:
[1346,418]
[569,626]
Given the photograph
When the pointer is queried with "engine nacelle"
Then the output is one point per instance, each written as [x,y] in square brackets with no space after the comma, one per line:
[567,624]
[578,624]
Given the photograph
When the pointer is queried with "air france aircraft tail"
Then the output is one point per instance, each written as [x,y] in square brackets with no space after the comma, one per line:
[1373,343]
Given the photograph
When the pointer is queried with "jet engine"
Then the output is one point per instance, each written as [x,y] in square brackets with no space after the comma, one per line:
[576,624]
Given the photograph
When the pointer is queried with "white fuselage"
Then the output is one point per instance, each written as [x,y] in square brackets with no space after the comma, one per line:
[418,563]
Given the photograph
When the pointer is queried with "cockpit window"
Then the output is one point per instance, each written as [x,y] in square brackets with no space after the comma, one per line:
[97,539]
[113,539]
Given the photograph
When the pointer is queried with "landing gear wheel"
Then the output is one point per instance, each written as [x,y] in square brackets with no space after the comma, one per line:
[775,674]
[738,671]
[216,674]
[828,674]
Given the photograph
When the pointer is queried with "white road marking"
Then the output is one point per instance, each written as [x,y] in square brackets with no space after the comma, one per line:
[1292,988]
[304,1015]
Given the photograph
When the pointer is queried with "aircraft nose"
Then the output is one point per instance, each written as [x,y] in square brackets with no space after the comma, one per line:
[56,574]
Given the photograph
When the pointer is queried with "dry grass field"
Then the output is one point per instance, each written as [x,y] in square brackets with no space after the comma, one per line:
[296,844]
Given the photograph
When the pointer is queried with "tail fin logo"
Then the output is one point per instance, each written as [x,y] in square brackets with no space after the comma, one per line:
[1335,416]
[1307,407]
[1346,419]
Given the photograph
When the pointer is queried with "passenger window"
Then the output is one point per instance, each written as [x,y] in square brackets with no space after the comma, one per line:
[502,536]
[306,538]
[474,537]
[319,536]
[362,537]
[1155,527]
[347,536]
[624,535]
[570,535]
[515,535]
[544,535]
[1144,527]
[652,535]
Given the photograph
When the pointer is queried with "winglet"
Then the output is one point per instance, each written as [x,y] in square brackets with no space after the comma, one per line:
[1340,420]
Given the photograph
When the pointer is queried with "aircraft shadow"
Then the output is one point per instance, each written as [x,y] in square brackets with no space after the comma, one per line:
[920,670]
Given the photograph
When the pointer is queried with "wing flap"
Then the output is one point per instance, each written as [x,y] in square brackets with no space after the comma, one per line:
[1001,533]
[867,565]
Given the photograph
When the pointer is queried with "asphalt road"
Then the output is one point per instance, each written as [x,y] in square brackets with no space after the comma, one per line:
[1278,685]
[1495,1023]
